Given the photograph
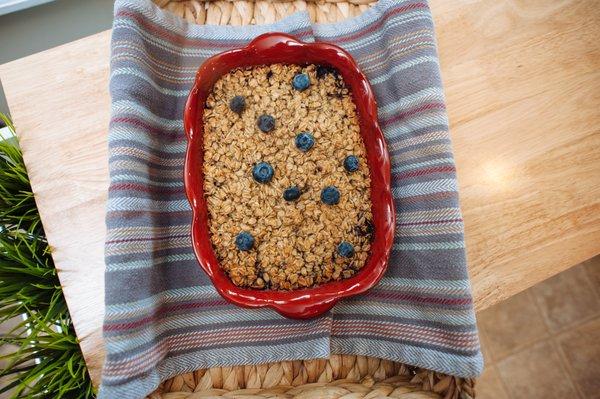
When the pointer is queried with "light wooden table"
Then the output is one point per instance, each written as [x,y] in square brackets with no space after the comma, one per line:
[522,81]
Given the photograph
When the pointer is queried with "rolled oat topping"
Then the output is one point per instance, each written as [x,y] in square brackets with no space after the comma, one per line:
[277,232]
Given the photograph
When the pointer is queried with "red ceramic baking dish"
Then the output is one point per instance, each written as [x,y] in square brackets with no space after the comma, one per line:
[274,48]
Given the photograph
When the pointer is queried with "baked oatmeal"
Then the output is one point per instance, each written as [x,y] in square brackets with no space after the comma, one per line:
[285,177]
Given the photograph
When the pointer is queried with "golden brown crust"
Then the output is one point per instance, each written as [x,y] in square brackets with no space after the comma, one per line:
[295,242]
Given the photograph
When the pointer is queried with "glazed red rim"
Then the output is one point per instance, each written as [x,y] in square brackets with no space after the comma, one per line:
[272,48]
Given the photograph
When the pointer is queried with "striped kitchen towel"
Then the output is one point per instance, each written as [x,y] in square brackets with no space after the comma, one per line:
[164,318]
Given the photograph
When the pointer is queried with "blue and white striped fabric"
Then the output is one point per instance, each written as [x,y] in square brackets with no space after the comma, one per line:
[164,318]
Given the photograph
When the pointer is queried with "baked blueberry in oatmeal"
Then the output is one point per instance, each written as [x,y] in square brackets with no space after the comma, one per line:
[291,194]
[351,163]
[286,180]
[305,141]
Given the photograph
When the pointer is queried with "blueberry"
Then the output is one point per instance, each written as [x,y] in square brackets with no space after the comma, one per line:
[305,141]
[351,163]
[266,123]
[366,230]
[291,193]
[237,104]
[262,172]
[345,249]
[330,195]
[244,241]
[323,70]
[301,82]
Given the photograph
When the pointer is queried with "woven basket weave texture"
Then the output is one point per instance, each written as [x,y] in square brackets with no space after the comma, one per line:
[224,12]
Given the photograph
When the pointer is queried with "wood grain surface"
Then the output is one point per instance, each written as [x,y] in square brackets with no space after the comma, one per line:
[60,105]
[522,80]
